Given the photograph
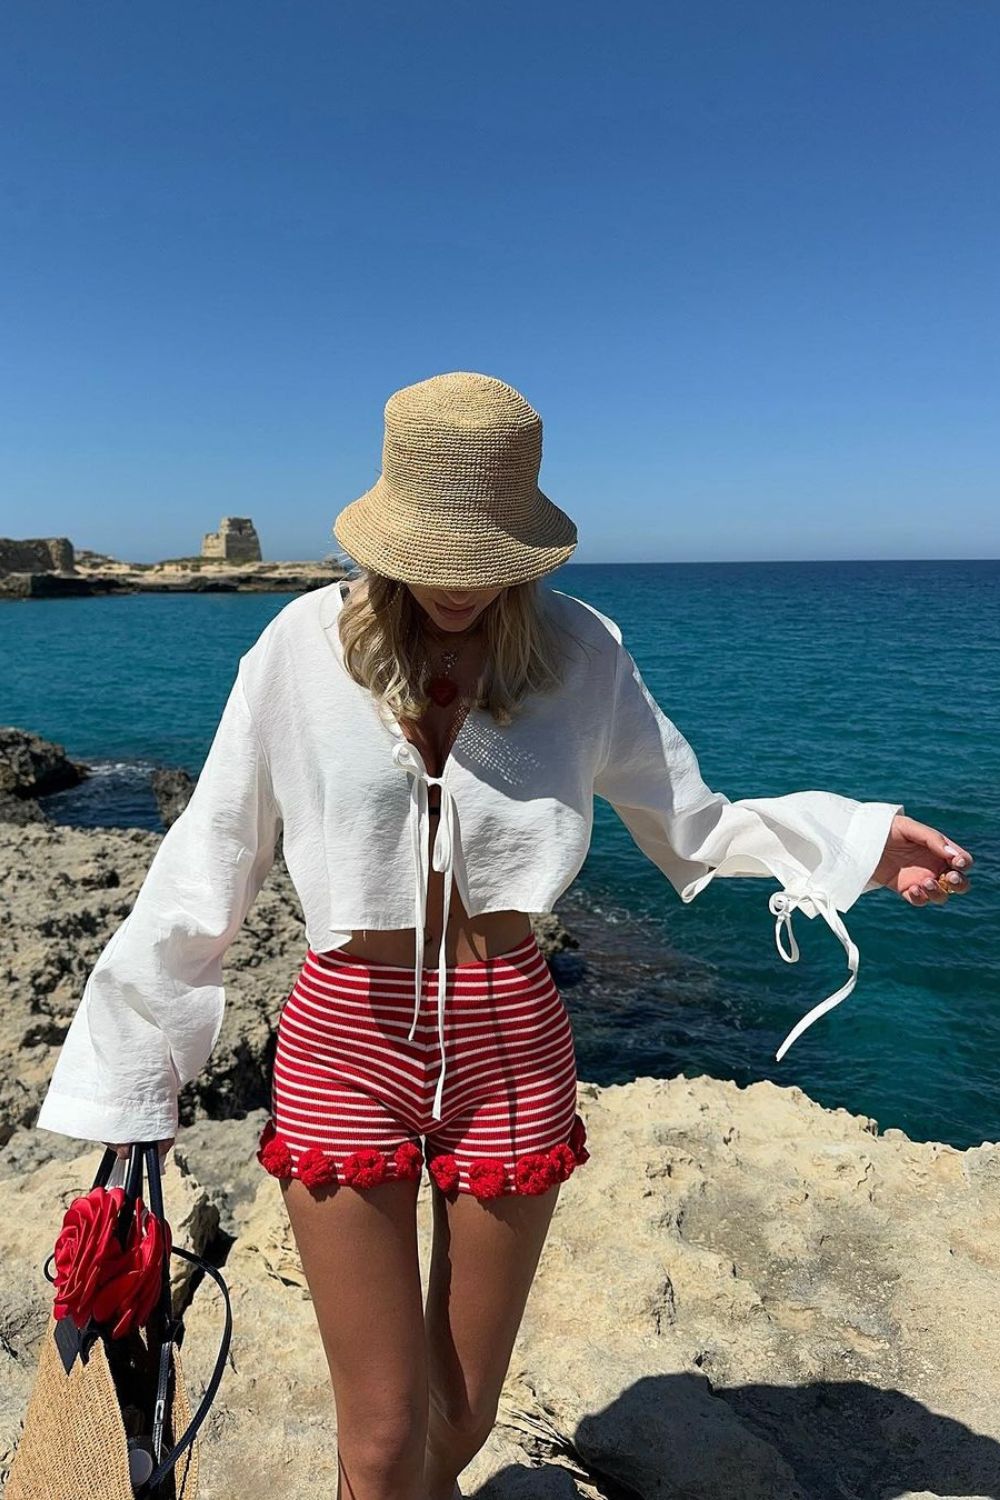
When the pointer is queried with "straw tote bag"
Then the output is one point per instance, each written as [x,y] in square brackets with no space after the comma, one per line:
[108,1417]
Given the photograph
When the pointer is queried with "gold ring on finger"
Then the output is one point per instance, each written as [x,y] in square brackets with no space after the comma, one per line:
[944,884]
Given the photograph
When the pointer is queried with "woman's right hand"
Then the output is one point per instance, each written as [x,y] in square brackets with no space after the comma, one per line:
[162,1146]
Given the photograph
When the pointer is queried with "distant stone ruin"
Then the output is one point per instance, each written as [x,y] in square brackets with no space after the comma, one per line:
[235,541]
[50,554]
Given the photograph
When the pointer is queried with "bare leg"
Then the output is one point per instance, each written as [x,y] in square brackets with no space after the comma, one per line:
[359,1253]
[483,1261]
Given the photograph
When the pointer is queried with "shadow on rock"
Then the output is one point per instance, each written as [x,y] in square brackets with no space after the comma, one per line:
[678,1437]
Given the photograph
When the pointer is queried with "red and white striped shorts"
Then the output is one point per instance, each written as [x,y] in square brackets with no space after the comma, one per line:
[351,1095]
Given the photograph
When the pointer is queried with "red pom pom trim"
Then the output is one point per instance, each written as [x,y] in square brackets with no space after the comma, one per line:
[563,1162]
[364,1168]
[273,1152]
[444,1170]
[534,1172]
[577,1136]
[316,1169]
[408,1159]
[487,1177]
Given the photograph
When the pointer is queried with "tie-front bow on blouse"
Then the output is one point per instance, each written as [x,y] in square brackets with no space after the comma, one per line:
[407,756]
[301,750]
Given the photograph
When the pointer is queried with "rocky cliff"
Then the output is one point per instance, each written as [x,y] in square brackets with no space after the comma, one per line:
[742,1295]
[36,554]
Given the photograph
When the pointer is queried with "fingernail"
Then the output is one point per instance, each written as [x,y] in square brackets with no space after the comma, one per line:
[950,849]
[960,861]
[929,885]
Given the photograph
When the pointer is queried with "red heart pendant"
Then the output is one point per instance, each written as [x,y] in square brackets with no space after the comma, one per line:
[442,690]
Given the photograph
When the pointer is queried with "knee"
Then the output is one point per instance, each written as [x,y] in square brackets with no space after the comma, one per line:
[466,1428]
[381,1455]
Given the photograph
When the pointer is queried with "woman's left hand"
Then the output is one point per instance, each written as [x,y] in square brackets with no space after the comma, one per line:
[914,856]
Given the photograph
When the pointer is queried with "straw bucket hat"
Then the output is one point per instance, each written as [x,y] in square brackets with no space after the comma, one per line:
[457,504]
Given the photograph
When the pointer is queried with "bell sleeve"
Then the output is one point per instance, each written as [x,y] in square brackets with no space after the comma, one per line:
[152,1007]
[822,848]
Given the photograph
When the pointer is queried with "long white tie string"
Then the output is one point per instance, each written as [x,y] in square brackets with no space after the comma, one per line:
[443,860]
[781,905]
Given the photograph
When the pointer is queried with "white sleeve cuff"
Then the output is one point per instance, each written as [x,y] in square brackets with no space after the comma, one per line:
[119,1123]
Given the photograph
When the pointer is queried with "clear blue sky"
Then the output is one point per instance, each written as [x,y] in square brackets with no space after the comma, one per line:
[744,260]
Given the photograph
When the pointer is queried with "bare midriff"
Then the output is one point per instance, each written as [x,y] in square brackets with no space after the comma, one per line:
[468,938]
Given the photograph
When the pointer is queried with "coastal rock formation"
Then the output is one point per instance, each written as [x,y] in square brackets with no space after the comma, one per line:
[21,810]
[552,935]
[63,892]
[742,1294]
[33,767]
[235,541]
[50,554]
[171,788]
[48,568]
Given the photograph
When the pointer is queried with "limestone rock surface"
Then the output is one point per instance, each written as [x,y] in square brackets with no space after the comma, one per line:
[742,1294]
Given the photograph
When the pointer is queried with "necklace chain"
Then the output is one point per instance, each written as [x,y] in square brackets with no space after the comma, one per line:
[447,656]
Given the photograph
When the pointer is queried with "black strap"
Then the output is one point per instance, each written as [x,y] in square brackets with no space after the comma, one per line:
[167,1330]
[167,1463]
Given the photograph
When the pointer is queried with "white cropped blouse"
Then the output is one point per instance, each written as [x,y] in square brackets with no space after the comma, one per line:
[302,749]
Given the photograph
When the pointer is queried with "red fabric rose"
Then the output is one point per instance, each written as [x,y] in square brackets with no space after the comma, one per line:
[444,1170]
[534,1172]
[409,1159]
[563,1161]
[364,1168]
[486,1177]
[128,1299]
[577,1136]
[316,1169]
[87,1252]
[273,1152]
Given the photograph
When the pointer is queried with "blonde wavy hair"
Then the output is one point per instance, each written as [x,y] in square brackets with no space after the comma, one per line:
[381,632]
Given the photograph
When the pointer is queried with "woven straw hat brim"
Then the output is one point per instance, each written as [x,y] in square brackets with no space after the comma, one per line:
[379,531]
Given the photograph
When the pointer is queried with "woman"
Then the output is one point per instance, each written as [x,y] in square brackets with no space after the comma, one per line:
[428,738]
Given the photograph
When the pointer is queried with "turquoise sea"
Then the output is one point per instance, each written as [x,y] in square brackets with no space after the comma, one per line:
[878,680]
